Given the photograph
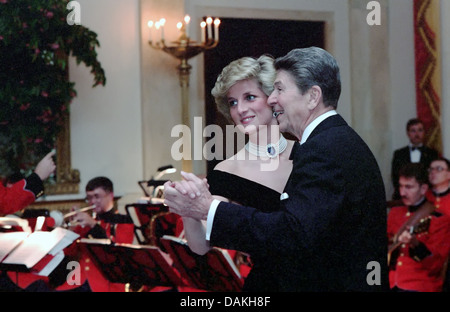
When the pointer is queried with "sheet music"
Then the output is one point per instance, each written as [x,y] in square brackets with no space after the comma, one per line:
[15,221]
[9,241]
[35,247]
[52,264]
[68,238]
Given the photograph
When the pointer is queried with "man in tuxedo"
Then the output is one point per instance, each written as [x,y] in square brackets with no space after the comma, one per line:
[329,233]
[414,152]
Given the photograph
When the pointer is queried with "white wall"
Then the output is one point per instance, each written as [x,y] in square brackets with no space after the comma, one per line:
[402,72]
[401,54]
[106,127]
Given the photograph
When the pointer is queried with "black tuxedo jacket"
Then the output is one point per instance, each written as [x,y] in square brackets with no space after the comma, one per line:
[331,228]
[402,157]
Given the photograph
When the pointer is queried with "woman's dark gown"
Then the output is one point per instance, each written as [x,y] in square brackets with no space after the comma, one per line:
[252,194]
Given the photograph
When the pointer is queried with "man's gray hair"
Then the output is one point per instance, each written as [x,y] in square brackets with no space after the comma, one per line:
[313,66]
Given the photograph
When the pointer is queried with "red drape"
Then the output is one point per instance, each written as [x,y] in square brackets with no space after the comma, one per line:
[427,59]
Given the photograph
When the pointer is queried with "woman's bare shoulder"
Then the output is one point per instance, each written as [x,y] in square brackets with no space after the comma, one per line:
[227,165]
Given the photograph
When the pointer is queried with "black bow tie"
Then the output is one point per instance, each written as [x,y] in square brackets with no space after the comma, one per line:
[413,148]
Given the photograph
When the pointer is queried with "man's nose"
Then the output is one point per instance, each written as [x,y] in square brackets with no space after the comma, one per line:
[272,100]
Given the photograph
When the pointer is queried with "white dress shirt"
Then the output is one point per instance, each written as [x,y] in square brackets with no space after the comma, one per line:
[415,154]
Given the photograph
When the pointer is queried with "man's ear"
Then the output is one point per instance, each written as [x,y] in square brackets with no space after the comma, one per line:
[448,175]
[315,97]
[423,189]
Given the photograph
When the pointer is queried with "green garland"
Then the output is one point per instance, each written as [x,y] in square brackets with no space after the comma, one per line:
[35,91]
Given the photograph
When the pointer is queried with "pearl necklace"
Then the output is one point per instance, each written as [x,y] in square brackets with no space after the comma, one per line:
[270,150]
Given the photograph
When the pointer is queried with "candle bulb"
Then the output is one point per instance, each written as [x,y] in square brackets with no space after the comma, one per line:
[162,22]
[209,21]
[157,26]
[203,30]
[150,26]
[216,29]
[187,19]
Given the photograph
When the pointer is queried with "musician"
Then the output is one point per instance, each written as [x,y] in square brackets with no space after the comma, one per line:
[439,176]
[417,264]
[107,223]
[415,152]
[439,194]
[18,195]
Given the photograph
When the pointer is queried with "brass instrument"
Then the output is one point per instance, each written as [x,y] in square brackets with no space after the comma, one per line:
[60,219]
[72,213]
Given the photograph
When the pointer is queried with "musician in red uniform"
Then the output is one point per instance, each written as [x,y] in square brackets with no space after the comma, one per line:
[24,192]
[107,223]
[439,176]
[439,194]
[17,195]
[418,262]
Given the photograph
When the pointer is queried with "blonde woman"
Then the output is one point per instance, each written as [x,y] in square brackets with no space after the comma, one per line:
[241,92]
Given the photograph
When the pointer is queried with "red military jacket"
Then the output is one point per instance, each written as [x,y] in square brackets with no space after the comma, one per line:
[441,201]
[120,229]
[20,194]
[420,268]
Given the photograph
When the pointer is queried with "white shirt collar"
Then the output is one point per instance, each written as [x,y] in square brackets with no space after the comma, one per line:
[411,145]
[310,128]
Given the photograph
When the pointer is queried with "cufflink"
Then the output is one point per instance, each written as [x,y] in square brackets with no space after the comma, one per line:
[284,196]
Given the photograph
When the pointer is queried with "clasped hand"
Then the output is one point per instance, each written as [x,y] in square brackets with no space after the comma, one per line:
[189,197]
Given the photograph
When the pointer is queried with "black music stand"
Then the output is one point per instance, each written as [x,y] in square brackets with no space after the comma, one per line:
[151,185]
[144,213]
[214,271]
[139,265]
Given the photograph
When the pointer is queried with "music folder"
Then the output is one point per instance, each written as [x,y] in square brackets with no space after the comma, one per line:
[127,263]
[214,271]
[38,252]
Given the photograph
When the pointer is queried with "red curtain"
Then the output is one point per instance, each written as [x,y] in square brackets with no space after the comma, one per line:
[428,74]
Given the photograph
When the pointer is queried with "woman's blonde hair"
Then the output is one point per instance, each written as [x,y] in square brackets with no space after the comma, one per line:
[261,69]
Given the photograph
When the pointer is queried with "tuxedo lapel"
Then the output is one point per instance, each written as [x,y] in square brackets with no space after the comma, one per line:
[406,154]
[330,122]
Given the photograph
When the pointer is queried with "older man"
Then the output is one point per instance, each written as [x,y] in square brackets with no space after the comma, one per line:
[329,233]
